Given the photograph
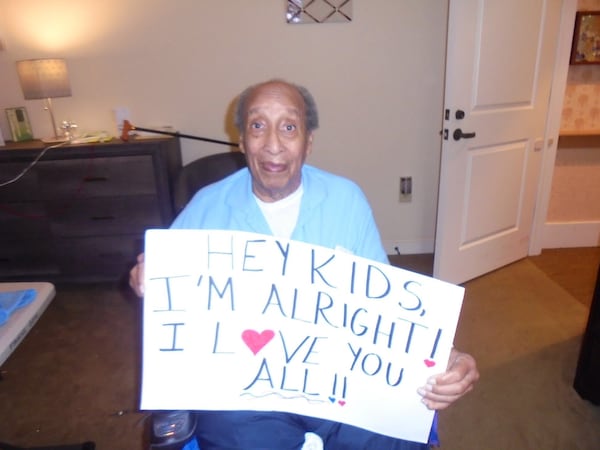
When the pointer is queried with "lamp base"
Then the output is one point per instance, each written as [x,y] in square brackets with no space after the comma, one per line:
[54,139]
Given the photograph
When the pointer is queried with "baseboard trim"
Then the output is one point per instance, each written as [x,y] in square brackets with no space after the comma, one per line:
[423,246]
[571,234]
[555,235]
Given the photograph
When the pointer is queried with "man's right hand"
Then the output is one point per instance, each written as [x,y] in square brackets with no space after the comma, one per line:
[136,276]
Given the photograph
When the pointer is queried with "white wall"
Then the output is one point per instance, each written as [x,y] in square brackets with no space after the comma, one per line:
[574,209]
[378,81]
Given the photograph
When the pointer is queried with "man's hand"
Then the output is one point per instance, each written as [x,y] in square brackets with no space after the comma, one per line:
[136,276]
[444,389]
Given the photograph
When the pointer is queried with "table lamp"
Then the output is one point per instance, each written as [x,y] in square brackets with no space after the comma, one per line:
[45,79]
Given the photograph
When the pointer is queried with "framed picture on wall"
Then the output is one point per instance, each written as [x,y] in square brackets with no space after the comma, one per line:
[586,38]
[18,121]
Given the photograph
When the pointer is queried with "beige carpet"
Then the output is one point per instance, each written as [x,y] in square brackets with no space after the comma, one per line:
[75,377]
[574,269]
[524,330]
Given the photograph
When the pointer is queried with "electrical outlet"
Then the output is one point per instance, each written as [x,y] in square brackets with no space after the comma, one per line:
[121,114]
[405,189]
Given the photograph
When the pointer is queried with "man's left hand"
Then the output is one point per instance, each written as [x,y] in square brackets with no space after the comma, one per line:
[444,389]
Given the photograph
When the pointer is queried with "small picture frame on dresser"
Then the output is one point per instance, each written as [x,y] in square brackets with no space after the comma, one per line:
[1,139]
[18,121]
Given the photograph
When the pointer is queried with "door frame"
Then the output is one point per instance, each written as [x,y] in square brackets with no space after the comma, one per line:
[553,121]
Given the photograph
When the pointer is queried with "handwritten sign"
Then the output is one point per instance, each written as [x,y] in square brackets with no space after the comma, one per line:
[241,321]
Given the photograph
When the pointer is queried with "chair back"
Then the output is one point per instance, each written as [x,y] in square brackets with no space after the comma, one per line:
[202,172]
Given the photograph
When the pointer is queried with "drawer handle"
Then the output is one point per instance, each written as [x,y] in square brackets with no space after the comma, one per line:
[111,255]
[94,179]
[98,218]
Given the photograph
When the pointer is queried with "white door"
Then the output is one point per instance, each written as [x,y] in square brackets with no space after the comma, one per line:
[499,67]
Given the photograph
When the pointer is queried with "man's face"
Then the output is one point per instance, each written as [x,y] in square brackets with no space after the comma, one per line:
[275,140]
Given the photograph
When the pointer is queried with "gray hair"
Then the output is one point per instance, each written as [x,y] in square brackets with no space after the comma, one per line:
[310,107]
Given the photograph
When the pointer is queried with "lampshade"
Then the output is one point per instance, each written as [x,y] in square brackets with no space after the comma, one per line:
[44,78]
[47,79]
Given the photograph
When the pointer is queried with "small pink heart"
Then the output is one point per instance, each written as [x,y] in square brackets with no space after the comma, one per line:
[429,363]
[341,402]
[256,341]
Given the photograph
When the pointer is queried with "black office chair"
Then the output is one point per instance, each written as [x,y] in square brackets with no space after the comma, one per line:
[202,172]
[171,430]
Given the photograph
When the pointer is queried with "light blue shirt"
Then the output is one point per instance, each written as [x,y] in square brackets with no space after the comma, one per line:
[334,212]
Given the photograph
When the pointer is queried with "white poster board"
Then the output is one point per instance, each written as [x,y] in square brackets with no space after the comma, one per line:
[241,321]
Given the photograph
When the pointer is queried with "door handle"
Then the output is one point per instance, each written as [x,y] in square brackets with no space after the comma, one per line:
[458,134]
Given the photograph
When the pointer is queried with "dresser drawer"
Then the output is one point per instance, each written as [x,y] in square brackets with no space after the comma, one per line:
[79,213]
[105,216]
[97,177]
[23,220]
[109,257]
[27,258]
[23,189]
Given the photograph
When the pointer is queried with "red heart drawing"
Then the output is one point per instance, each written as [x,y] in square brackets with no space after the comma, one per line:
[429,363]
[342,402]
[256,341]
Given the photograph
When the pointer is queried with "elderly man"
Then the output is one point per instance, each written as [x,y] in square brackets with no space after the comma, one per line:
[278,194]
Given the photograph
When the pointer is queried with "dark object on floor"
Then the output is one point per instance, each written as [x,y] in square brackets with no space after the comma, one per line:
[587,376]
[171,430]
[202,172]
[84,446]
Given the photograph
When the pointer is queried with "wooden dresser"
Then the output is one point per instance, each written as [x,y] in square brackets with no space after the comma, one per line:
[79,213]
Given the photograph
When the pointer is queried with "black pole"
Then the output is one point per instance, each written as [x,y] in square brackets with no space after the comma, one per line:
[187,136]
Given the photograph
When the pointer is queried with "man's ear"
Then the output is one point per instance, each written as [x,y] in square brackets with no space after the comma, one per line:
[241,144]
[309,143]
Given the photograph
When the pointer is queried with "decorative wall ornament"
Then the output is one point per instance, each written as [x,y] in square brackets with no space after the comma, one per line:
[318,11]
[586,38]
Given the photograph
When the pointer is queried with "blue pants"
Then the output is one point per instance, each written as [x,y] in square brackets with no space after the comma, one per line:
[284,431]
